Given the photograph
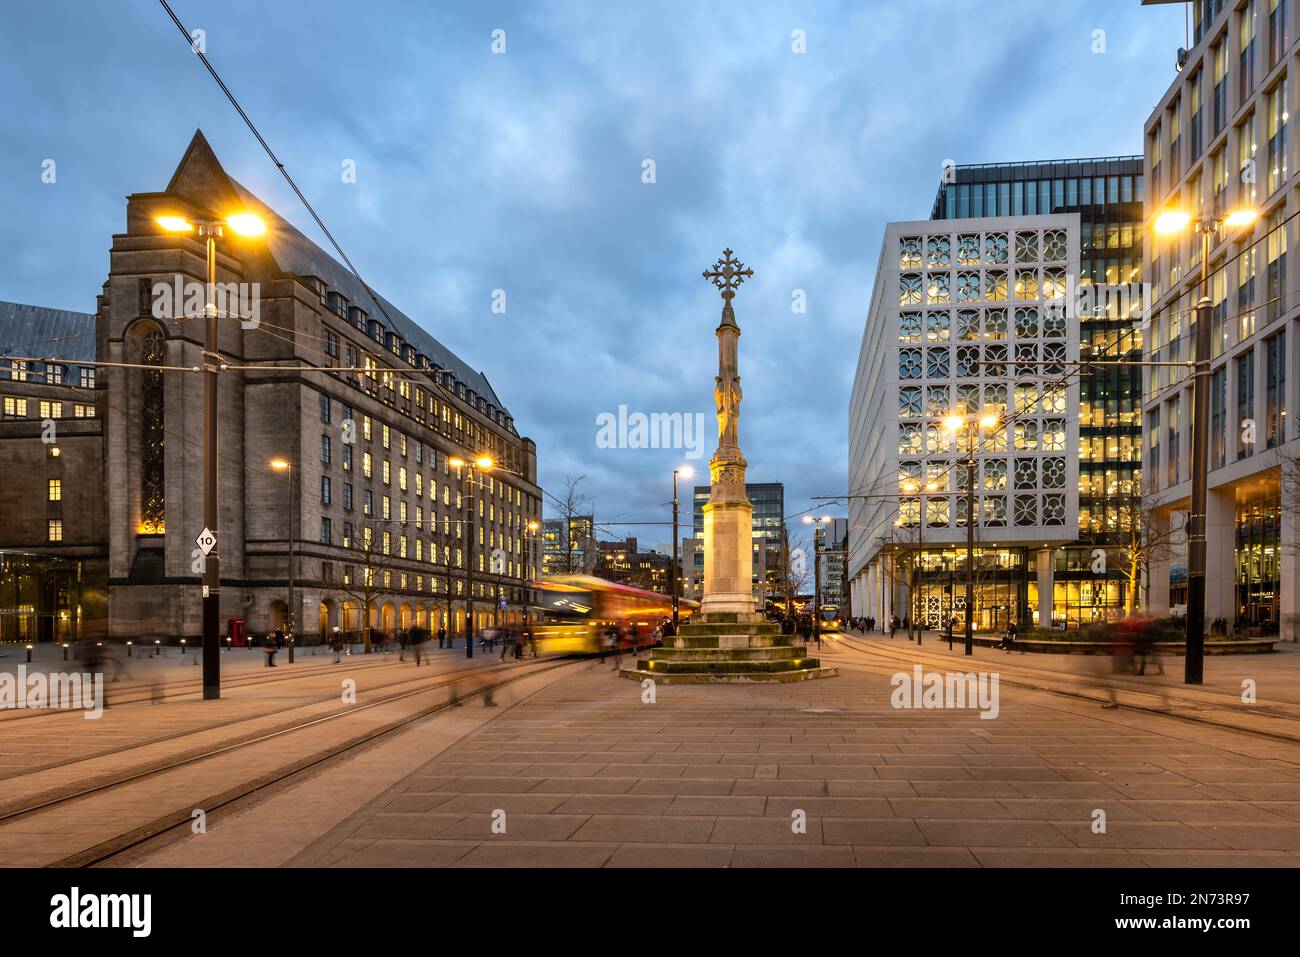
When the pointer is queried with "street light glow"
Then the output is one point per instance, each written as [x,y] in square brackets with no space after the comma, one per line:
[1241,217]
[246,224]
[456,462]
[1172,221]
[485,462]
[174,224]
[953,423]
[279,464]
[989,422]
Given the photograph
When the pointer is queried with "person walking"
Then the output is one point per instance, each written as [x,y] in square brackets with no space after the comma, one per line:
[336,643]
[442,635]
[269,648]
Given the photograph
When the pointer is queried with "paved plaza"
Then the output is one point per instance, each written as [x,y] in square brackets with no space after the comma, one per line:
[576,768]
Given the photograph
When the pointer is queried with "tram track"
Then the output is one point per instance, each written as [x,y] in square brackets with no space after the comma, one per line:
[1034,682]
[405,678]
[179,688]
[104,850]
[99,780]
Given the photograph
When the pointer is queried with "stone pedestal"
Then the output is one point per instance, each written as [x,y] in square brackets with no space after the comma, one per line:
[728,539]
[728,648]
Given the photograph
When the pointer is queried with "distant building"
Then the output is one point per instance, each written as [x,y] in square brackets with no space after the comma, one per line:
[569,546]
[834,559]
[625,563]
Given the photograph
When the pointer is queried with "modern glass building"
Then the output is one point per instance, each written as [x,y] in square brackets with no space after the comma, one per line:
[969,318]
[1107,193]
[1218,141]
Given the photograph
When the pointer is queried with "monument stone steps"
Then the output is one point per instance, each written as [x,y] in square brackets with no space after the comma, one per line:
[772,653]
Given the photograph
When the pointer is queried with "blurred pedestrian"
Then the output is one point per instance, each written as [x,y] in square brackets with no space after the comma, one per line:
[336,643]
[269,647]
[442,635]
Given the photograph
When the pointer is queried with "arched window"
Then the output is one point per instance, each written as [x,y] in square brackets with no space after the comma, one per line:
[153,517]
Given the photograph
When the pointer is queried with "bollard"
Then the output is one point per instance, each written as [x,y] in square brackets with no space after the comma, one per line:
[65,651]
[182,646]
[29,654]
[291,649]
[157,648]
[129,650]
[227,645]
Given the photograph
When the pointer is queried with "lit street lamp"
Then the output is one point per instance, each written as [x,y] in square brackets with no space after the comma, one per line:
[910,486]
[244,224]
[685,472]
[466,471]
[968,424]
[1171,222]
[819,525]
[282,465]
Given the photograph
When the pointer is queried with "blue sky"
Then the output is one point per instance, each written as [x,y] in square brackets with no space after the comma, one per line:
[523,171]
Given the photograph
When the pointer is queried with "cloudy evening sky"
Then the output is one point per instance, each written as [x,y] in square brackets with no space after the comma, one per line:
[523,172]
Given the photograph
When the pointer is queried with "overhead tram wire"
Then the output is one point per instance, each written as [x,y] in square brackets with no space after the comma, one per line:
[439,370]
[203,58]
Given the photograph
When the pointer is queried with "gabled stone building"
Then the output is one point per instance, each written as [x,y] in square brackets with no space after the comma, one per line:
[369,451]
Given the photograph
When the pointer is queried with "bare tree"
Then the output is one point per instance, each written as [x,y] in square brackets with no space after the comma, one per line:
[1142,536]
[792,570]
[1289,474]
[366,581]
[572,504]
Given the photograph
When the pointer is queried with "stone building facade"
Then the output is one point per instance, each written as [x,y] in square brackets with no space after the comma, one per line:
[366,408]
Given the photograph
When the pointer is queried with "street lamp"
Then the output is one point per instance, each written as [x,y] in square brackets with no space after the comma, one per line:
[466,471]
[244,224]
[819,525]
[283,465]
[958,423]
[912,486]
[1171,222]
[685,472]
[532,538]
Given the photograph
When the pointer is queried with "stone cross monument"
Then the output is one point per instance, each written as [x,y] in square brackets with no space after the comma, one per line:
[727,640]
[728,522]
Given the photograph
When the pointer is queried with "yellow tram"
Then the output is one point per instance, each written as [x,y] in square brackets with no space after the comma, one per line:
[578,609]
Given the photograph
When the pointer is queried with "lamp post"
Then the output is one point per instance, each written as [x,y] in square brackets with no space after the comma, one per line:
[245,224]
[955,424]
[818,525]
[910,486]
[685,472]
[466,471]
[532,539]
[1172,222]
[283,465]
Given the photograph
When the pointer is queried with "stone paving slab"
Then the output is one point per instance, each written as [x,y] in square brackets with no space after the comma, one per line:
[665,785]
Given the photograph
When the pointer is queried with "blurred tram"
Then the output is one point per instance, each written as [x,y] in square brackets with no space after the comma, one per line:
[578,609]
